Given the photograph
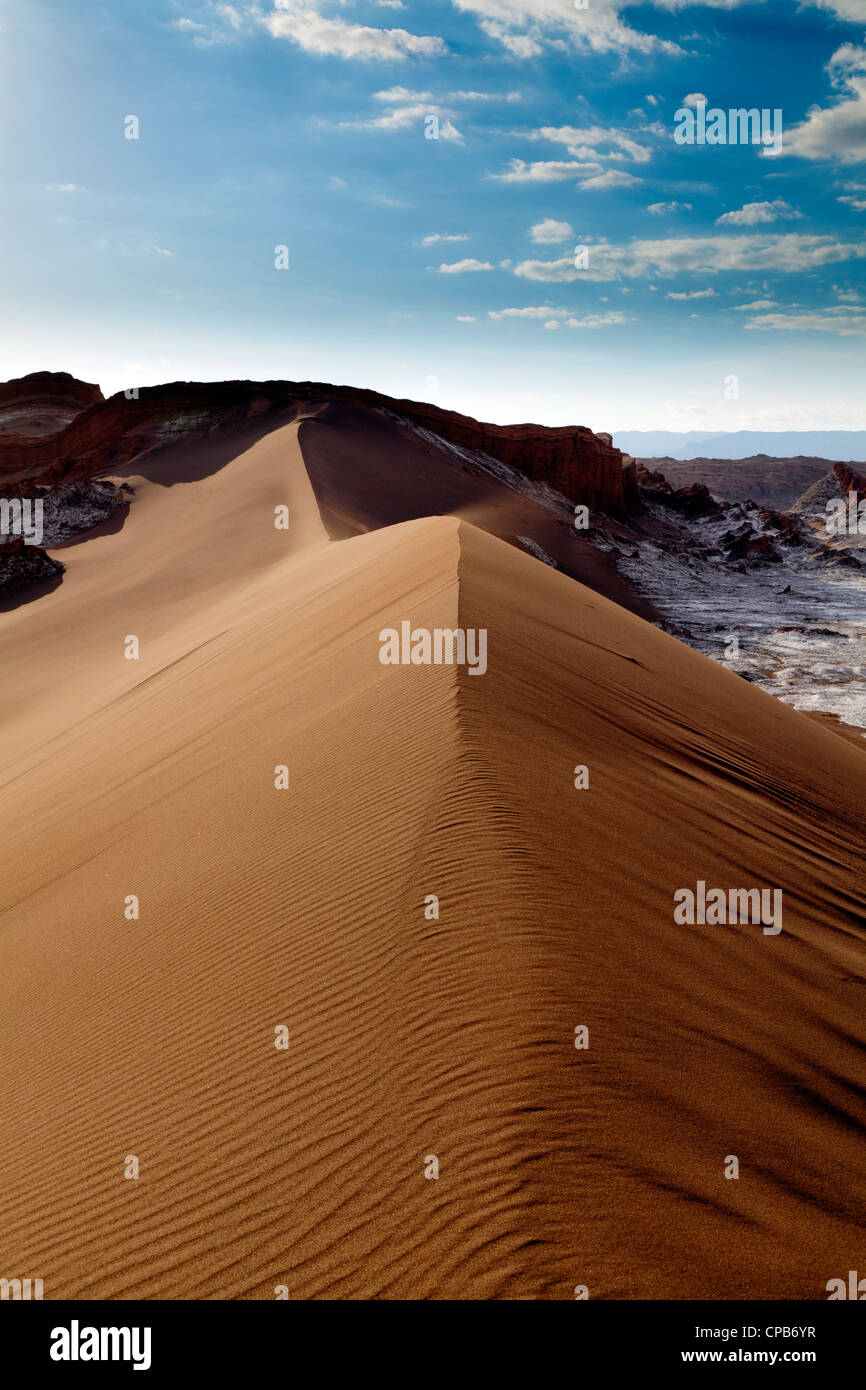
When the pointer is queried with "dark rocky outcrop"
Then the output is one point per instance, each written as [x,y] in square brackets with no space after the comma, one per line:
[43,403]
[693,500]
[22,566]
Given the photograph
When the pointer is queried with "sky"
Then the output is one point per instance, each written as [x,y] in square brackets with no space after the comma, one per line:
[482,203]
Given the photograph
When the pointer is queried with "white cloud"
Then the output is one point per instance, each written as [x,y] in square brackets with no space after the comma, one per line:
[663,209]
[691,294]
[834,320]
[562,271]
[553,317]
[613,316]
[225,24]
[756,305]
[487,96]
[460,267]
[440,236]
[230,14]
[694,99]
[526,28]
[750,214]
[533,312]
[301,23]
[836,132]
[65,188]
[407,109]
[858,204]
[551,231]
[700,255]
[612,178]
[843,9]
[595,143]
[544,171]
[466,318]
[591,176]
[399,96]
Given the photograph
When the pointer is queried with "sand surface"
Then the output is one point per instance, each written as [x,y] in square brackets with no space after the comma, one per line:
[305,907]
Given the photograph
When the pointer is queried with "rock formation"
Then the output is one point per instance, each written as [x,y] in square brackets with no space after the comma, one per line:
[101,434]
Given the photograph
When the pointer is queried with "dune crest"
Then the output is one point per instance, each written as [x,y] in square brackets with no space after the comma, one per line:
[307,908]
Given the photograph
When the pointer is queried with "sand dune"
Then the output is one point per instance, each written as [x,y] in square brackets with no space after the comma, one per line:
[304,907]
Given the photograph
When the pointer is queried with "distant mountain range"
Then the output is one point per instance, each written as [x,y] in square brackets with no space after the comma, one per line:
[840,446]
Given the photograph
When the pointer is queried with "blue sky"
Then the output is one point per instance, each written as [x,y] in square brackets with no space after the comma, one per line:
[722,287]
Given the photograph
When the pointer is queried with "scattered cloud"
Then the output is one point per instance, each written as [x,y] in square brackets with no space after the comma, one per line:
[301,23]
[691,294]
[527,28]
[612,178]
[843,9]
[397,96]
[440,236]
[750,214]
[545,171]
[466,318]
[565,317]
[407,109]
[461,267]
[695,99]
[532,312]
[846,324]
[700,255]
[487,96]
[225,25]
[550,231]
[836,132]
[561,271]
[663,209]
[589,176]
[596,143]
[757,304]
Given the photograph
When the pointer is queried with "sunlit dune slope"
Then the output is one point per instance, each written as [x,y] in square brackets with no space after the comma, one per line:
[305,907]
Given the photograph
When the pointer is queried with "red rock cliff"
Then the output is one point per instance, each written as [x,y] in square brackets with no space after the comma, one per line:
[104,434]
[43,403]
